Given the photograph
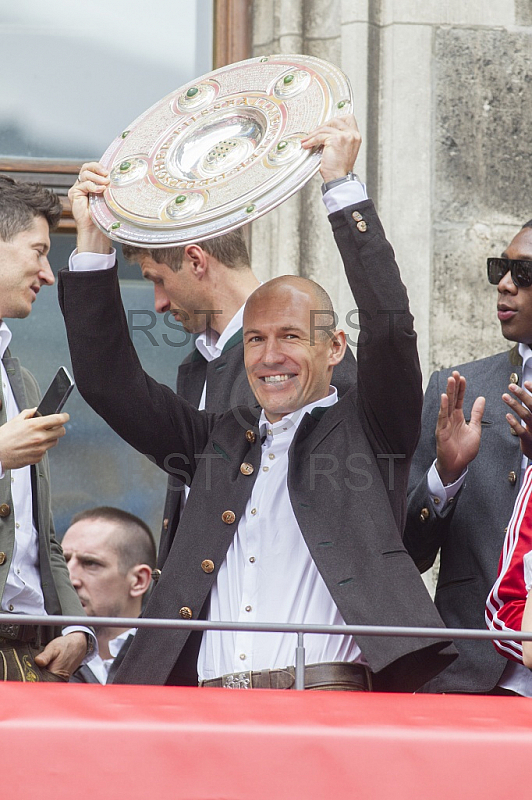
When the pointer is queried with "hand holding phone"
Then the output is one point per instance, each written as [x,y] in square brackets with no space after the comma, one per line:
[56,395]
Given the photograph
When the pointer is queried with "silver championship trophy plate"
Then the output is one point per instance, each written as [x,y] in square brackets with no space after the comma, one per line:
[218,152]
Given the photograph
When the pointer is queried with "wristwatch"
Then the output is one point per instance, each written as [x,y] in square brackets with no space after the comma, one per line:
[351,176]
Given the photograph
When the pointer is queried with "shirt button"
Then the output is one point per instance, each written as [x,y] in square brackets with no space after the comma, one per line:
[269,432]
[17,524]
[248,608]
[11,607]
[242,656]
[265,469]
[253,511]
[271,456]
[252,559]
[12,480]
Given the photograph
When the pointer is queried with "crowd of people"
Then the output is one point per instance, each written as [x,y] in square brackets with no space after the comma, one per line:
[304,485]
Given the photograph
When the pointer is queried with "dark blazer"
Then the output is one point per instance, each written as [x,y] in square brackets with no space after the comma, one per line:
[350,519]
[227,387]
[59,595]
[470,531]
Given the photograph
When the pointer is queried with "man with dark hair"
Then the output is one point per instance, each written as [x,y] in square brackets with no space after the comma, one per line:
[461,497]
[33,574]
[296,505]
[110,555]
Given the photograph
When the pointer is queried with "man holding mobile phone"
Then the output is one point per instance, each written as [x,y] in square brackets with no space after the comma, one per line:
[33,574]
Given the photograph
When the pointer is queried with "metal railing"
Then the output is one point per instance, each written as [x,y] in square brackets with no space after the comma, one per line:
[269,627]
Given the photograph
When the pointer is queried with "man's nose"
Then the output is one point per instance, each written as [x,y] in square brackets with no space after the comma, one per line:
[162,304]
[273,353]
[506,284]
[45,273]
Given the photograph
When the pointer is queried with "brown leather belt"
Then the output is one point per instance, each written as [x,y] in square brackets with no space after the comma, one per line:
[336,675]
[21,633]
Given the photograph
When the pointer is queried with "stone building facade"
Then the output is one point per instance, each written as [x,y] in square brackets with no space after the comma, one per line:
[442,94]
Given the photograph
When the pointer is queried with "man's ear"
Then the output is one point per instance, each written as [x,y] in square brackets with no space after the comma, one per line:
[140,579]
[338,345]
[198,259]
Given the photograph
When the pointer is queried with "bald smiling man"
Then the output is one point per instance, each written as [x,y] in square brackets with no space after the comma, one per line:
[296,504]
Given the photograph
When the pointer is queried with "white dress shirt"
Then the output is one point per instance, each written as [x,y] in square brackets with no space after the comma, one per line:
[268,575]
[100,666]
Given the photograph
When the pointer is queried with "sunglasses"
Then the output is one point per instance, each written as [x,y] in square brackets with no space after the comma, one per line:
[521,271]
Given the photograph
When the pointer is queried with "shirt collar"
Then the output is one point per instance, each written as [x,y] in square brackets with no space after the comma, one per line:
[288,425]
[115,645]
[5,338]
[524,351]
[211,349]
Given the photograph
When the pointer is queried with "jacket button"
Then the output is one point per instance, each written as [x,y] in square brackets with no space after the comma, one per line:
[247,469]
[5,510]
[512,478]
[2,558]
[357,216]
[424,515]
[155,575]
[207,566]
[362,226]
[165,523]
[514,378]
[251,437]
[185,612]
[228,517]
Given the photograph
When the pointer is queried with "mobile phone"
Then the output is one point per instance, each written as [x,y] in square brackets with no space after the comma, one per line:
[56,395]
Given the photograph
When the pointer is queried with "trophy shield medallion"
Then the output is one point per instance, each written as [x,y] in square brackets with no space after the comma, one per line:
[218,152]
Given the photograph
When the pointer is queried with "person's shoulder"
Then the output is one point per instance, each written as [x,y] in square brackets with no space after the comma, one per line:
[482,365]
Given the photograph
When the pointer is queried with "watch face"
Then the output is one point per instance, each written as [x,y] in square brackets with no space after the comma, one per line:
[218,152]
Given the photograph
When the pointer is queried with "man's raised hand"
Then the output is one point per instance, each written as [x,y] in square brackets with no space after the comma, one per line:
[457,441]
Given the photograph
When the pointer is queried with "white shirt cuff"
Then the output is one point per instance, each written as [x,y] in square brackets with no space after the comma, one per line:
[442,494]
[87,262]
[94,650]
[345,194]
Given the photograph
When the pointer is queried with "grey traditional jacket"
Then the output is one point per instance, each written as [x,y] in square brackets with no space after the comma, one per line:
[351,524]
[59,595]
[470,530]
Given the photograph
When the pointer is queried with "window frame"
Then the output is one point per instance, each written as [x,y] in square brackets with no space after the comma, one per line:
[231,42]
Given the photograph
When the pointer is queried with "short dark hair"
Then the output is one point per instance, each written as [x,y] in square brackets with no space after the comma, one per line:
[21,202]
[527,224]
[229,249]
[135,546]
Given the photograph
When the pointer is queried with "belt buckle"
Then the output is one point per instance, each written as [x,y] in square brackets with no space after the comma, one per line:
[237,680]
[9,631]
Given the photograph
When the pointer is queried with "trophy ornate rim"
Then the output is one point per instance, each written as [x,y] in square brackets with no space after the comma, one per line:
[211,156]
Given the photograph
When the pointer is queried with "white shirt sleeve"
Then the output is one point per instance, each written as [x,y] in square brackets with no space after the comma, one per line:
[86,262]
[345,194]
[440,493]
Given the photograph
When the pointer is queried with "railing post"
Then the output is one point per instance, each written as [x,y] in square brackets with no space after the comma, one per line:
[300,662]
